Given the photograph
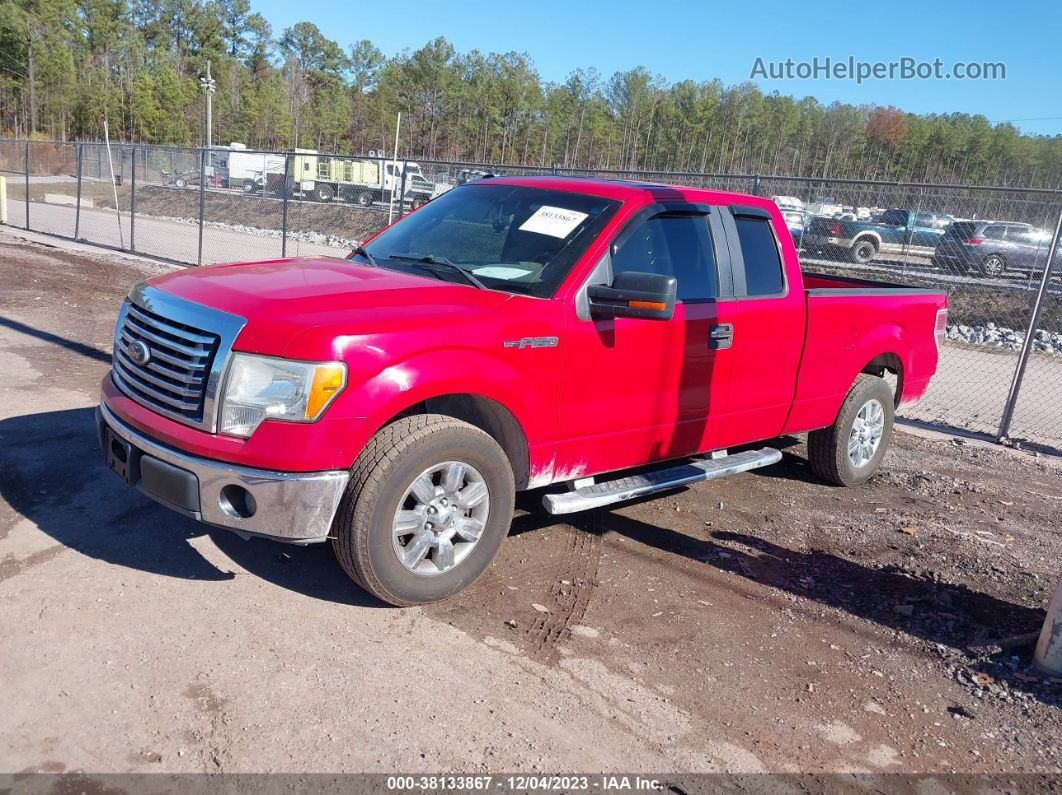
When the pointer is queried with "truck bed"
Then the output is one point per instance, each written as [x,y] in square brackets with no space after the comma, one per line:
[857,325]
[823,284]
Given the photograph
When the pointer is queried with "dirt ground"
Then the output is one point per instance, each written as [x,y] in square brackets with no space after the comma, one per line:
[765,622]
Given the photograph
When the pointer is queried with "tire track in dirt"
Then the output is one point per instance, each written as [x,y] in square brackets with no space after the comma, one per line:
[570,594]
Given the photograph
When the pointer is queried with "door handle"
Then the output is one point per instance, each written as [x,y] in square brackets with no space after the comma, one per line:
[720,336]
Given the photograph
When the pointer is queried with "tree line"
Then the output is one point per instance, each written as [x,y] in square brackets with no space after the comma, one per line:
[66,66]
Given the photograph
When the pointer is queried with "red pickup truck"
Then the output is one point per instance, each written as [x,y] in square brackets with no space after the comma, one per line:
[512,334]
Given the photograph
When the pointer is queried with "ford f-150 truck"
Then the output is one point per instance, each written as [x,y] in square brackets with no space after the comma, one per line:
[512,334]
[893,232]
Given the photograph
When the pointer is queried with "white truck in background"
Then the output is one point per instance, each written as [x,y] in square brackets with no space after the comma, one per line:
[247,170]
[363,181]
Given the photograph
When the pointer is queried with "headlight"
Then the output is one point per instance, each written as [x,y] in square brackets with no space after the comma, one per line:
[258,388]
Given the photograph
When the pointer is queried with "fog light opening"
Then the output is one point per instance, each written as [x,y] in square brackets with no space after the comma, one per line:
[237,502]
[119,451]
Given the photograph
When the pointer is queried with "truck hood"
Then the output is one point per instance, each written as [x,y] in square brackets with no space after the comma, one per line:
[282,299]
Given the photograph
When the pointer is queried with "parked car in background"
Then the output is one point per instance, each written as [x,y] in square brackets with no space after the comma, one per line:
[472,174]
[993,248]
[796,221]
[895,231]
[788,203]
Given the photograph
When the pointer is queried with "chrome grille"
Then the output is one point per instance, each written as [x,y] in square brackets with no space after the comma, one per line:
[174,377]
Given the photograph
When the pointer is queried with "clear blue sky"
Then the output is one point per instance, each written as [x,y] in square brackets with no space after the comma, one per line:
[703,40]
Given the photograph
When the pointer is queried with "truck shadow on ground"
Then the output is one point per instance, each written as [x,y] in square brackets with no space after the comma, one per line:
[51,473]
[952,615]
[65,342]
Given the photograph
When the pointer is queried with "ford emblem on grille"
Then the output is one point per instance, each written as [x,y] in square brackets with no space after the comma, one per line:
[140,353]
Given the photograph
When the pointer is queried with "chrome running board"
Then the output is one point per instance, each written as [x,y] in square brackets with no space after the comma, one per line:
[628,488]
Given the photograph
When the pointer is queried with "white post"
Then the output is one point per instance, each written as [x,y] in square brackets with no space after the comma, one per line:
[110,165]
[3,200]
[1048,656]
[210,107]
[394,173]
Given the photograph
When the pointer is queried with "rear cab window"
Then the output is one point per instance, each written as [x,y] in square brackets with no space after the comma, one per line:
[894,218]
[756,258]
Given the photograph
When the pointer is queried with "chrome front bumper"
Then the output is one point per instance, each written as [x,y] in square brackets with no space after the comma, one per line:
[296,507]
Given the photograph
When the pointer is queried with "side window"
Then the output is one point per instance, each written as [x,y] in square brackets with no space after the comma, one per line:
[1022,234]
[763,266]
[672,245]
[923,220]
[994,231]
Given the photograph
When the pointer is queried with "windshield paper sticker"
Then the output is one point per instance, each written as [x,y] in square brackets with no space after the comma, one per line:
[553,221]
[502,272]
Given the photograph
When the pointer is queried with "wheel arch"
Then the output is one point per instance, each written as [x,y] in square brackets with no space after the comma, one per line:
[886,363]
[485,413]
[866,234]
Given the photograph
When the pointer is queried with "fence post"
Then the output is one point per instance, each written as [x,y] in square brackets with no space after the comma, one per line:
[756,185]
[402,190]
[132,202]
[1030,334]
[27,187]
[202,201]
[77,203]
[285,189]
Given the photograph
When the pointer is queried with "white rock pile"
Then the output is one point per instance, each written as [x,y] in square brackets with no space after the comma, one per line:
[332,241]
[994,336]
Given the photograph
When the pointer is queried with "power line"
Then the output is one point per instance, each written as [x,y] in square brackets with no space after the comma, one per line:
[1036,118]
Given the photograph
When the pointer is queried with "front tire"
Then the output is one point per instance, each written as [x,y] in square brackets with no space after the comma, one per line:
[850,450]
[429,502]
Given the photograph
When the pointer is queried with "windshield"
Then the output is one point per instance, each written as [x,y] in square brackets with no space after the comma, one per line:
[511,238]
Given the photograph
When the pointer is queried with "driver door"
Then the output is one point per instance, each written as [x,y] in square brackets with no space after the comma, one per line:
[638,390]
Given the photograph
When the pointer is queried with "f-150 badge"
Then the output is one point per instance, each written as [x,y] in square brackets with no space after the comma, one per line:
[532,342]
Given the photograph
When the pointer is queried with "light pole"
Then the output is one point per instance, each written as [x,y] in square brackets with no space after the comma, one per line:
[209,87]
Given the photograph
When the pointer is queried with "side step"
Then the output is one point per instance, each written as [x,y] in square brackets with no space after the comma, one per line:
[628,488]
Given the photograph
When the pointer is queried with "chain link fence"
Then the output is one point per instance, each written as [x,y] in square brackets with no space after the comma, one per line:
[987,247]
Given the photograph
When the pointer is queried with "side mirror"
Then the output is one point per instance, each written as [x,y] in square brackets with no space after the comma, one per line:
[646,295]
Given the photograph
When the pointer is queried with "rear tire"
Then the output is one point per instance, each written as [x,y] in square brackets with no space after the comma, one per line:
[364,199]
[323,193]
[249,186]
[366,537]
[842,454]
[993,266]
[862,251]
